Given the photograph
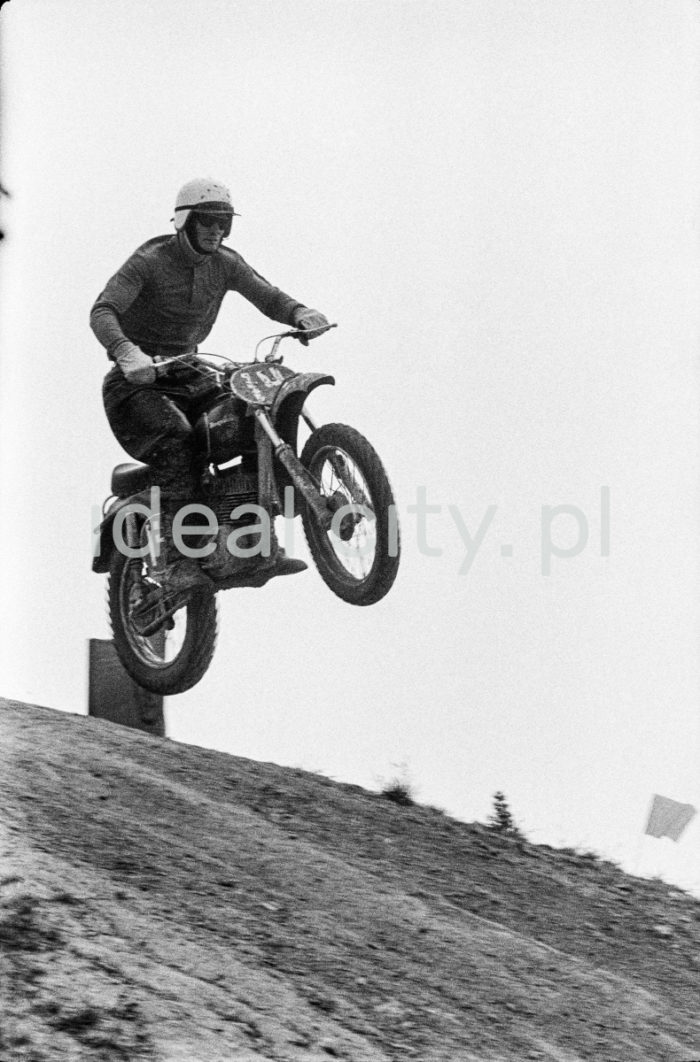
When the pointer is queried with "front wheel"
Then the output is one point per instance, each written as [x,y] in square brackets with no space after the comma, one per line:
[168,656]
[358,557]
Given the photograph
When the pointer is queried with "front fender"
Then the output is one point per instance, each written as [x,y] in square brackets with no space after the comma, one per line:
[289,402]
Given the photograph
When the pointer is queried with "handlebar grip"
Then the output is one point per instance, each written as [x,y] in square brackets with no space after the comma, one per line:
[163,368]
[305,334]
[164,365]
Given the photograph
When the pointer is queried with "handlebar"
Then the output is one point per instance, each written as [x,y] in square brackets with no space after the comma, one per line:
[164,364]
[295,333]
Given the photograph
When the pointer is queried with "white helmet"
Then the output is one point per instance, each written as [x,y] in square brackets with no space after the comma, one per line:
[203,194]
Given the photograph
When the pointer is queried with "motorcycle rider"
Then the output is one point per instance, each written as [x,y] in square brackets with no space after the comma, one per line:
[163,301]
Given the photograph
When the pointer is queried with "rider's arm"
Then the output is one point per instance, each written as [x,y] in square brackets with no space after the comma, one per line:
[120,292]
[260,292]
[105,324]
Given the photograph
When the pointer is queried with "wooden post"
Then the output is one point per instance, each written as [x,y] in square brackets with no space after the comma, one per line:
[113,695]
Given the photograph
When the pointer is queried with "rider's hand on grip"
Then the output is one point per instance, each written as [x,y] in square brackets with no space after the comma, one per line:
[312,321]
[138,368]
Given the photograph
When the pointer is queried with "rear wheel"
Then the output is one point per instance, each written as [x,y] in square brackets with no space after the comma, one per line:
[358,557]
[163,653]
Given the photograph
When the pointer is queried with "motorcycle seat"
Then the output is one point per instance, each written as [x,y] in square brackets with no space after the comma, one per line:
[130,478]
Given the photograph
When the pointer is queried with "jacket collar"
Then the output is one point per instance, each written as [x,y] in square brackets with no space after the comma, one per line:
[187,251]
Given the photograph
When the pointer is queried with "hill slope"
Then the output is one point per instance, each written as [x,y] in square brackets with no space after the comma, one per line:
[164,902]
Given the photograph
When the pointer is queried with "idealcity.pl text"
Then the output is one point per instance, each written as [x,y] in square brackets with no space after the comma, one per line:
[427,523]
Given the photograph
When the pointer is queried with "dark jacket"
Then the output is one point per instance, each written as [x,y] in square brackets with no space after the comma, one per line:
[165,298]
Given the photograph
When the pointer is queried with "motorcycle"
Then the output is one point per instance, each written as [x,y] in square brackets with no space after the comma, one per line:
[249,464]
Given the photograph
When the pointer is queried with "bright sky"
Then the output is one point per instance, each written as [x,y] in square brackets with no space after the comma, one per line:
[498,205]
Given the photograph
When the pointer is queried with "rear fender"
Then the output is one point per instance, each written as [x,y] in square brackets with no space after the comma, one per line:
[103,542]
[103,537]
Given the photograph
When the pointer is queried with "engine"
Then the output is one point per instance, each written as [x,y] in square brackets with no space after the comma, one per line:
[230,489]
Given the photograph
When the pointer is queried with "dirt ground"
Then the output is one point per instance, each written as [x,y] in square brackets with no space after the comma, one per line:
[165,902]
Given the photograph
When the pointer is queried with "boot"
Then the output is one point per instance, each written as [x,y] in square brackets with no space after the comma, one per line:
[177,573]
[224,566]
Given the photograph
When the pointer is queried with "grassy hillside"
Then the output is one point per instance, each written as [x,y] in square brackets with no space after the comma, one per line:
[165,902]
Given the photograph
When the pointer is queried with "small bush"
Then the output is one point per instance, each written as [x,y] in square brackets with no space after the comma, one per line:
[399,793]
[501,819]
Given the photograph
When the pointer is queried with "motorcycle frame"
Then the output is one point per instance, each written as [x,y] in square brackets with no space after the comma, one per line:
[276,430]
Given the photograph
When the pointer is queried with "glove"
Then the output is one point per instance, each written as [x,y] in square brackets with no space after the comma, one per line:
[138,368]
[305,318]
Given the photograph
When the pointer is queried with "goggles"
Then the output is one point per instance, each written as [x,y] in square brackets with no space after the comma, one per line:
[209,220]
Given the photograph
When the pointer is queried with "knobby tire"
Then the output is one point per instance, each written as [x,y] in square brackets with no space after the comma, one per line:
[191,662]
[373,586]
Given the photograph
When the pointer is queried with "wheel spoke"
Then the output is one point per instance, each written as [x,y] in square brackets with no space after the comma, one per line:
[339,474]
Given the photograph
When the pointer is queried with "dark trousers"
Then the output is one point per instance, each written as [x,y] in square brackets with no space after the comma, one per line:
[154,424]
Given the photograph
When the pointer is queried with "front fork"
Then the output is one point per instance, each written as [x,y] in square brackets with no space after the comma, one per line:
[337,460]
[303,482]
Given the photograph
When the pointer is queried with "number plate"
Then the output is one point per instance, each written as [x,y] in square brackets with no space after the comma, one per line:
[258,384]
